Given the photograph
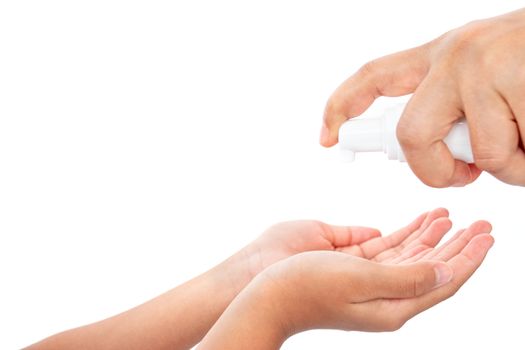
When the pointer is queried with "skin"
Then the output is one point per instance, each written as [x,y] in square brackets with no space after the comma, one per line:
[474,71]
[180,318]
[380,291]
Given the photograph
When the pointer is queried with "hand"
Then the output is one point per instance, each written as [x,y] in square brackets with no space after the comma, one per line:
[336,290]
[474,71]
[190,306]
[290,238]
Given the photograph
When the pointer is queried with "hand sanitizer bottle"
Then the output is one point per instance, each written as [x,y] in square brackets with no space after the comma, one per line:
[378,134]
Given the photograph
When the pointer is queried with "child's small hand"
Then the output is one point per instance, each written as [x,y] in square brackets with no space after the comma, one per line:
[337,290]
[289,238]
[195,306]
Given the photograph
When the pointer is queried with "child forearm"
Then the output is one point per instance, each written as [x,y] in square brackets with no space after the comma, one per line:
[252,321]
[177,319]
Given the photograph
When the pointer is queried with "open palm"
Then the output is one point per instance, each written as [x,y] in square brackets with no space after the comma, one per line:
[416,241]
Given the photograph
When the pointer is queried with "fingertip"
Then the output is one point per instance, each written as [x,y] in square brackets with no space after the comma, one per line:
[442,223]
[335,114]
[416,224]
[433,216]
[324,137]
[443,211]
[478,248]
[475,172]
[376,232]
[481,226]
[481,245]
[464,174]
[367,231]
[329,135]
[485,241]
[438,213]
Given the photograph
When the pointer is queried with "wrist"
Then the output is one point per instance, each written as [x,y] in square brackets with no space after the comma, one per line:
[232,275]
[272,304]
[285,299]
[253,320]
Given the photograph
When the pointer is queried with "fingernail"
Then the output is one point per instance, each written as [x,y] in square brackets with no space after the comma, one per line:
[443,274]
[324,134]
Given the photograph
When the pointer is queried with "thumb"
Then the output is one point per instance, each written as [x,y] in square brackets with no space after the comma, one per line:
[409,281]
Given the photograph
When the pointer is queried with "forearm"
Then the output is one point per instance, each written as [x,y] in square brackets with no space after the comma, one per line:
[177,319]
[252,321]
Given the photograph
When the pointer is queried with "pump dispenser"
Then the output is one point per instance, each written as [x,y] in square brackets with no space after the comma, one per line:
[378,134]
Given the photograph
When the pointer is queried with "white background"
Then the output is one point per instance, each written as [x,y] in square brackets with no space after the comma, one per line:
[142,142]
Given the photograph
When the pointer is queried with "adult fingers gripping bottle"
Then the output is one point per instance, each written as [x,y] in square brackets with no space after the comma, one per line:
[378,134]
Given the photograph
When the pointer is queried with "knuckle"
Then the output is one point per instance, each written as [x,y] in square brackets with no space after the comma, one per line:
[492,160]
[464,43]
[415,141]
[409,135]
[466,38]
[419,283]
[369,69]
[512,77]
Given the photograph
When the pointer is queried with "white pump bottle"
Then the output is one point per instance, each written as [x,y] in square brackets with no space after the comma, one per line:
[378,134]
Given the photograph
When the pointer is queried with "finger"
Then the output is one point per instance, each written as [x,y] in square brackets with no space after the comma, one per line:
[433,252]
[394,75]
[431,217]
[426,121]
[458,244]
[391,314]
[433,235]
[406,254]
[415,258]
[342,236]
[464,265]
[429,237]
[494,135]
[511,89]
[375,246]
[408,281]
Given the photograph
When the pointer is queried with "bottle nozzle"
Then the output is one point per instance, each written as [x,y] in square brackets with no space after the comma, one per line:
[361,135]
[347,155]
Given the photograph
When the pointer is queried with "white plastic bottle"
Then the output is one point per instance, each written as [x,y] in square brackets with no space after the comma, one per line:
[378,134]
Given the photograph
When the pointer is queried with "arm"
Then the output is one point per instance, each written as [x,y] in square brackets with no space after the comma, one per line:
[474,71]
[179,318]
[334,290]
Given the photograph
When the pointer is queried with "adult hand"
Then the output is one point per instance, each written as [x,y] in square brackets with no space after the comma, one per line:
[474,71]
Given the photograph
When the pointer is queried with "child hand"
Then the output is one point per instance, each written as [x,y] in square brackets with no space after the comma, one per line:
[289,238]
[338,290]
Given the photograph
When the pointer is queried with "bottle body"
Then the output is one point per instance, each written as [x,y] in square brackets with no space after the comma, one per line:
[378,134]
